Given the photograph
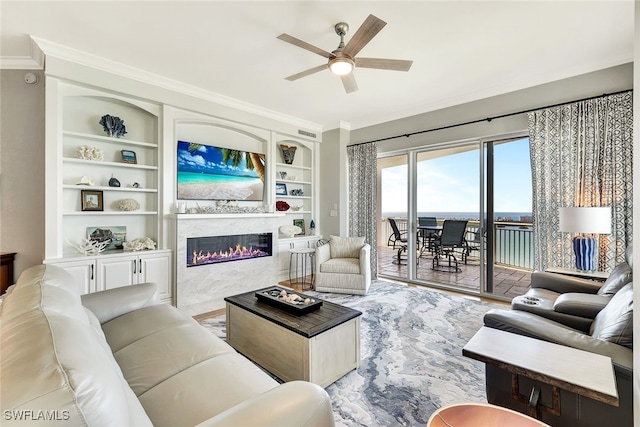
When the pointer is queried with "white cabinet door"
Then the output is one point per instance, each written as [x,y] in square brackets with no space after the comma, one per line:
[84,273]
[156,268]
[117,272]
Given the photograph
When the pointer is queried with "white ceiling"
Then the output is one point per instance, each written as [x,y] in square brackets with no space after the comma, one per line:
[462,50]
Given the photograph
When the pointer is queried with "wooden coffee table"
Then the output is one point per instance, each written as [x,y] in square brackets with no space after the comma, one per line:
[320,346]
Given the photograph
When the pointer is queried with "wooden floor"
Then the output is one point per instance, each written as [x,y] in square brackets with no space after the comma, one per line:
[507,282]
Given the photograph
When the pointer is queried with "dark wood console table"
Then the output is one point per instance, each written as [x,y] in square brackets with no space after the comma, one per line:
[549,363]
[6,270]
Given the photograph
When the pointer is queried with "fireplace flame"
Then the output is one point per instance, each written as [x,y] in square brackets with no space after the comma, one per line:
[240,252]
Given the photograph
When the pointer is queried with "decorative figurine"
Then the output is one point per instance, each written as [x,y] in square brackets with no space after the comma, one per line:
[113,182]
[114,126]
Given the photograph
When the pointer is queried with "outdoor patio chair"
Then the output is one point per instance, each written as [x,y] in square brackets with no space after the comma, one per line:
[428,236]
[400,238]
[473,244]
[450,239]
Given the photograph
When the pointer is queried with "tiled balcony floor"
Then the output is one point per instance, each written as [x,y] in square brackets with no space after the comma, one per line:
[507,282]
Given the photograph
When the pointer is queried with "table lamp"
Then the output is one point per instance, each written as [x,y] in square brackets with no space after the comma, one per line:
[586,220]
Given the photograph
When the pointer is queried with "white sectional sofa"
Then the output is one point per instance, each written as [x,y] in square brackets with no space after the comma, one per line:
[120,358]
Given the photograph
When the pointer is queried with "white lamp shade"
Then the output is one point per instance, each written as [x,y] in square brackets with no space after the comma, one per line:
[591,220]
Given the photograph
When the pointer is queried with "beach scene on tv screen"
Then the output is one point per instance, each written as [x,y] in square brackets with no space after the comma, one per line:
[207,172]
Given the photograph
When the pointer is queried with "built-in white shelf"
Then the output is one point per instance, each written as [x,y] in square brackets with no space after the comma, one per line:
[292,181]
[285,165]
[100,213]
[110,164]
[104,188]
[108,139]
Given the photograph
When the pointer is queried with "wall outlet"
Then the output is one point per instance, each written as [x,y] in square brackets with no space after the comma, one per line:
[333,213]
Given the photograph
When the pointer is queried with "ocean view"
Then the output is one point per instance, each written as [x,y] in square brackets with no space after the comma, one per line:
[474,216]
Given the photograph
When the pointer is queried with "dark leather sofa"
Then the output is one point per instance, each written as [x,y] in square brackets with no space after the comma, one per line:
[605,330]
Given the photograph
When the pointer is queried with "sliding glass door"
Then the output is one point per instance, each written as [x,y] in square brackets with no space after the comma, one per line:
[485,184]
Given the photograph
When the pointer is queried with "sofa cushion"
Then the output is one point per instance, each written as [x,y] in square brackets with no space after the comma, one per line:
[341,266]
[345,247]
[160,342]
[206,389]
[615,322]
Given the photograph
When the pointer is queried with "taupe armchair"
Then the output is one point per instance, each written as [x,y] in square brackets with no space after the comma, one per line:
[343,266]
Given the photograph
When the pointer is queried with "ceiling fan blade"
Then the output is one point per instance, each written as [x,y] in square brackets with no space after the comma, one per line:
[368,30]
[349,83]
[311,48]
[384,64]
[306,72]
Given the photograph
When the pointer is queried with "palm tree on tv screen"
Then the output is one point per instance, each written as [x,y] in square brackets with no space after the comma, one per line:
[255,161]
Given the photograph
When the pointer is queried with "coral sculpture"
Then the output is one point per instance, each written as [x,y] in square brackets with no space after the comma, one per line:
[89,153]
[90,247]
[114,126]
[128,205]
[139,244]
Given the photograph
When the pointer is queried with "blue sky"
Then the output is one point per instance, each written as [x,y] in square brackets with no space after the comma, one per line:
[209,160]
[450,183]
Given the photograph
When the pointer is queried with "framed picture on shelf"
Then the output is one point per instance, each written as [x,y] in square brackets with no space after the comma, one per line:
[299,223]
[116,235]
[91,200]
[281,189]
[129,156]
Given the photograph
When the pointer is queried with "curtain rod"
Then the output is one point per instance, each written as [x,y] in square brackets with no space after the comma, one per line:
[488,119]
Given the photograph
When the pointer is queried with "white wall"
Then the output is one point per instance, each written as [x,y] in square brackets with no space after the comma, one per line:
[22,168]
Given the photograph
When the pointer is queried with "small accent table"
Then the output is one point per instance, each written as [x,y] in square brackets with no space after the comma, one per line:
[547,362]
[480,414]
[596,275]
[301,258]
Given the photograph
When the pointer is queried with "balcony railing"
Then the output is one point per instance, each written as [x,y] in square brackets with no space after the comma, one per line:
[513,240]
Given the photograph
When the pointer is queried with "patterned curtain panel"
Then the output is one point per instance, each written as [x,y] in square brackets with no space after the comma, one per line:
[362,165]
[581,155]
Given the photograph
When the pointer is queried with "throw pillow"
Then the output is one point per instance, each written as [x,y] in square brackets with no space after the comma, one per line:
[615,322]
[345,247]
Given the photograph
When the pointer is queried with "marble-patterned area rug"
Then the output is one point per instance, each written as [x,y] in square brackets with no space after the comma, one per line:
[411,355]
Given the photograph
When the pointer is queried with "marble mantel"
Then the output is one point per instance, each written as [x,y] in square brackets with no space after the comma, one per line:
[203,288]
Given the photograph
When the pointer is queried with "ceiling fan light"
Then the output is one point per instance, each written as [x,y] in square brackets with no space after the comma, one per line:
[341,66]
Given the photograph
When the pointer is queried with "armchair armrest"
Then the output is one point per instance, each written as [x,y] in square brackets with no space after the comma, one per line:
[365,260]
[528,324]
[109,304]
[323,254]
[296,403]
[580,304]
[563,284]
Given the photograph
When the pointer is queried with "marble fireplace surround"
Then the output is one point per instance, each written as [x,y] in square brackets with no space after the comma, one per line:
[202,289]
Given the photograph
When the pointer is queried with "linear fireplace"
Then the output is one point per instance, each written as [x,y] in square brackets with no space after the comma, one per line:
[217,249]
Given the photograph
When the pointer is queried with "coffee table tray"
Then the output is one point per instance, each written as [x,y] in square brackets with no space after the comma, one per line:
[270,296]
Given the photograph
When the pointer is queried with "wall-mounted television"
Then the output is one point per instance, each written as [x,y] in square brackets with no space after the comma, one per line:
[207,172]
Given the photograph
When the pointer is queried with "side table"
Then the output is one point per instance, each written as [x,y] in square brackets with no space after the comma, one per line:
[299,259]
[595,275]
[546,362]
[6,270]
[480,414]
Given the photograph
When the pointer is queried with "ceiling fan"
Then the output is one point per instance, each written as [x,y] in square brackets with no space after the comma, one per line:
[343,60]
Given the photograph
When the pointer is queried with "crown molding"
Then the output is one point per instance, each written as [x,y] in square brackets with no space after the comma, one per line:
[100,63]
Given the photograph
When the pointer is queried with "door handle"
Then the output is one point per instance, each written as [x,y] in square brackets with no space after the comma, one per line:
[134,266]
[140,269]
[91,271]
